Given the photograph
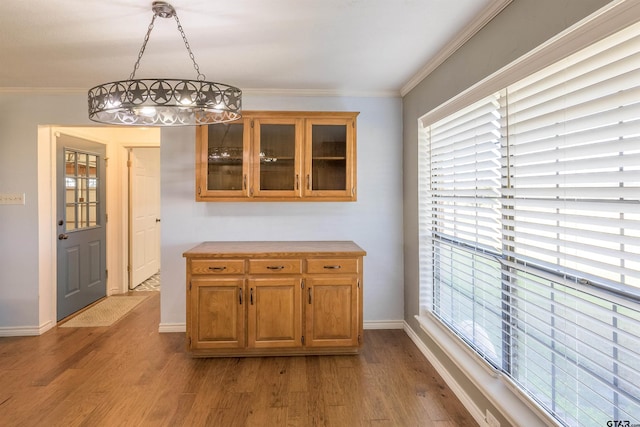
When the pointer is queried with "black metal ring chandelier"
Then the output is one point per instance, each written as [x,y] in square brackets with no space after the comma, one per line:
[164,102]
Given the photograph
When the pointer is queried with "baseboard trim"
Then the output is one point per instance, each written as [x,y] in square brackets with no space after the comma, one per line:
[172,327]
[26,331]
[384,324]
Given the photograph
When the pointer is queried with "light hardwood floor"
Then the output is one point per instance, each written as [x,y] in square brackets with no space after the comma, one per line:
[131,375]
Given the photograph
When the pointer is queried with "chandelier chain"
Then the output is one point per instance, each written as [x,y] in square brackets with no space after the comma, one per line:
[144,45]
[164,101]
[201,76]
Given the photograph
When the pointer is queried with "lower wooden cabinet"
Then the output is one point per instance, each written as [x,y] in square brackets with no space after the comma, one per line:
[332,315]
[274,298]
[275,313]
[217,313]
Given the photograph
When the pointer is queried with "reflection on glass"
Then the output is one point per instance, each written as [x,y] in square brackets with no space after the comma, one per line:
[71,216]
[92,165]
[225,153]
[82,190]
[82,164]
[93,214]
[92,193]
[70,162]
[277,157]
[329,157]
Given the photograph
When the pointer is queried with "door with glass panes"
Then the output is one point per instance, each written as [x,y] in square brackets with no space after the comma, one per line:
[276,157]
[223,163]
[329,153]
[81,231]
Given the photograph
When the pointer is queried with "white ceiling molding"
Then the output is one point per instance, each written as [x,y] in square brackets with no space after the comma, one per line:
[469,31]
[245,91]
[321,92]
[43,90]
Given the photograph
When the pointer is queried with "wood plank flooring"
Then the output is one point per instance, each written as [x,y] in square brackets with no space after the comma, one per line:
[131,375]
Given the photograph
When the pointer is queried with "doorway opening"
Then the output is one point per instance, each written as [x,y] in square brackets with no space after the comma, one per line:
[118,142]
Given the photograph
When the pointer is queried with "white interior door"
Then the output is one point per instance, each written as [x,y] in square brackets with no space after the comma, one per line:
[144,204]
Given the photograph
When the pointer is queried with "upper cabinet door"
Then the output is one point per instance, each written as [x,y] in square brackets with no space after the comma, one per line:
[222,166]
[330,167]
[276,157]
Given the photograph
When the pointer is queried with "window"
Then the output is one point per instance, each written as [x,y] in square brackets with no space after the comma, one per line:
[530,231]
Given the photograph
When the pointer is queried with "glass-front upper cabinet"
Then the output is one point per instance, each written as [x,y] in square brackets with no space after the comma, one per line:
[276,157]
[330,165]
[222,168]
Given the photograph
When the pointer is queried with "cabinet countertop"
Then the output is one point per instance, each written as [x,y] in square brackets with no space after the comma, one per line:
[253,249]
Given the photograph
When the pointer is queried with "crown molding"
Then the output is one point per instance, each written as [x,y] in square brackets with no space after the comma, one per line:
[469,31]
[44,90]
[246,91]
[322,92]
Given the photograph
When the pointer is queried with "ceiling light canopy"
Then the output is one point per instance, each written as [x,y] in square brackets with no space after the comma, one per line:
[164,102]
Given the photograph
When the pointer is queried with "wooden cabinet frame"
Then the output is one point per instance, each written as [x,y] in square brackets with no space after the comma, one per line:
[274,298]
[302,179]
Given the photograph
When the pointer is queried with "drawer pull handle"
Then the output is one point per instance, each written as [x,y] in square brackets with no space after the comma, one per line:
[240,289]
[251,296]
[217,268]
[332,267]
[275,267]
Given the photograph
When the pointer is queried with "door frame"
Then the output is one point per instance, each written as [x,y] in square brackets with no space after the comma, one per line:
[117,193]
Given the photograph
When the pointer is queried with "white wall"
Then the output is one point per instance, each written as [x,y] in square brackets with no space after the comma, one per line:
[374,222]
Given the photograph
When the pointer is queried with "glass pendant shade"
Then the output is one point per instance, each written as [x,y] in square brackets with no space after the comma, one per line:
[164,101]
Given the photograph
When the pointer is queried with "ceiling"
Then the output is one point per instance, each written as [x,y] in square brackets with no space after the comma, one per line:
[365,47]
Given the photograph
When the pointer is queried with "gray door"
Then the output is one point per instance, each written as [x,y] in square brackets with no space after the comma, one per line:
[80,223]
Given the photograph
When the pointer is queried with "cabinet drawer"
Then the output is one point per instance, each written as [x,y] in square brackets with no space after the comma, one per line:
[221,266]
[332,265]
[275,266]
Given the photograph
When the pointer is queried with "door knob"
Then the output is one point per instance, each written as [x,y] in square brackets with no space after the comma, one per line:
[63,236]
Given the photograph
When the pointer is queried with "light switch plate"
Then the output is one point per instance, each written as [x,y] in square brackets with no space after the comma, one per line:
[11,198]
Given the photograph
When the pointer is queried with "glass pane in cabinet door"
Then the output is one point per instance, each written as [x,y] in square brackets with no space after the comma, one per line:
[277,157]
[329,157]
[225,149]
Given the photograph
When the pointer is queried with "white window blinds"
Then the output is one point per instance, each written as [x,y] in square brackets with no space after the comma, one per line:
[460,219]
[530,231]
[572,165]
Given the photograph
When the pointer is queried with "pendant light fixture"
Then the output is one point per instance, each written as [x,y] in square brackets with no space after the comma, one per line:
[164,102]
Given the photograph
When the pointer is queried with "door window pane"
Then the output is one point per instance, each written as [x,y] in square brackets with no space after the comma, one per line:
[81,190]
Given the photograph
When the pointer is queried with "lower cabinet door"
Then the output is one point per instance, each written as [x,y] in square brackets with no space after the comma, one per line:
[216,313]
[331,306]
[274,312]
